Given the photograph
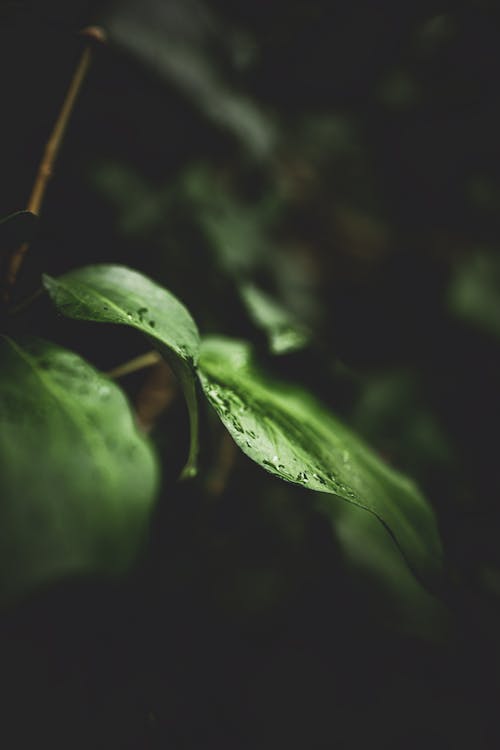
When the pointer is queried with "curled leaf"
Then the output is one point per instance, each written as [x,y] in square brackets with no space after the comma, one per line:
[116,294]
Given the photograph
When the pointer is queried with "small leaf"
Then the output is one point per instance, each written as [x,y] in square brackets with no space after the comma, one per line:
[77,480]
[284,333]
[115,294]
[17,228]
[296,438]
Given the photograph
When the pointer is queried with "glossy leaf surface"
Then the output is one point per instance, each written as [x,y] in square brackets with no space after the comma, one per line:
[116,294]
[296,438]
[77,480]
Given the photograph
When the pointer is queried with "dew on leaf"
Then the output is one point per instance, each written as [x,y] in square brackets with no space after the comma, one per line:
[237,426]
[302,477]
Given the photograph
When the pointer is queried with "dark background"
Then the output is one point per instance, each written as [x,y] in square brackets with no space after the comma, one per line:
[345,158]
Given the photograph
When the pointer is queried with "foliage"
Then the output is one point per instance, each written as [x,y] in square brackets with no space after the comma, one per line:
[78,481]
[282,490]
[292,436]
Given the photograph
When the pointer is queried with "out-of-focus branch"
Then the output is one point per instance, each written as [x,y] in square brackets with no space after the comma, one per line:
[92,34]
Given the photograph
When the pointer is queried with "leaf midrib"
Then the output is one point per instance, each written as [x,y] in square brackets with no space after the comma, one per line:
[361,454]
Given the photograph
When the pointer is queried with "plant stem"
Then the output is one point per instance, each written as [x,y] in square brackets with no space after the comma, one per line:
[46,168]
[224,464]
[138,363]
[21,306]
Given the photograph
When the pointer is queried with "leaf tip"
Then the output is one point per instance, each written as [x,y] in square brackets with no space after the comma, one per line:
[47,281]
[188,472]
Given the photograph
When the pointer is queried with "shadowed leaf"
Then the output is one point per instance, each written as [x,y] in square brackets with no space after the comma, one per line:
[77,480]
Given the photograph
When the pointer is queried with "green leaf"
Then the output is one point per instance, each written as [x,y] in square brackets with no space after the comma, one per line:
[115,294]
[185,47]
[17,228]
[379,575]
[474,292]
[77,480]
[284,333]
[296,438]
[236,230]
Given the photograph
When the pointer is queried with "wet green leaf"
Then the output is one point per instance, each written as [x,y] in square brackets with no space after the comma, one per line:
[116,294]
[77,480]
[296,438]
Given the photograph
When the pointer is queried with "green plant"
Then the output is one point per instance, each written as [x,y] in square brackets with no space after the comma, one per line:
[78,479]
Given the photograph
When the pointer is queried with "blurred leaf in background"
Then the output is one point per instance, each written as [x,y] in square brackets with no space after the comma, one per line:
[186,44]
[474,292]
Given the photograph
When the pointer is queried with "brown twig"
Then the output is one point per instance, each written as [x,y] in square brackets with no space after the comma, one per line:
[158,392]
[92,34]
[224,463]
[138,363]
